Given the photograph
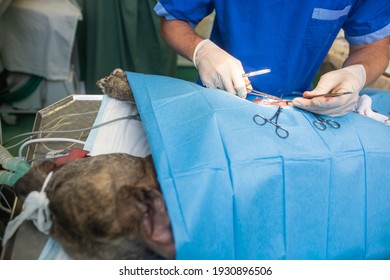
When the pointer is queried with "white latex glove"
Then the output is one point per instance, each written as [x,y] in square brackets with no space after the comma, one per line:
[364,108]
[218,69]
[351,78]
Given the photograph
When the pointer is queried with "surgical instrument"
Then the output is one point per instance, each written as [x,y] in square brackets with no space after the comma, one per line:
[262,94]
[261,120]
[256,73]
[330,94]
[321,123]
[259,93]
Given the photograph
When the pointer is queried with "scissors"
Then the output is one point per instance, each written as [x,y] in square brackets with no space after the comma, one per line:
[261,120]
[321,123]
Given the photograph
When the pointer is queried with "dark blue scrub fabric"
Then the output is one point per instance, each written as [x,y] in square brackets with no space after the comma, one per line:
[291,37]
[235,190]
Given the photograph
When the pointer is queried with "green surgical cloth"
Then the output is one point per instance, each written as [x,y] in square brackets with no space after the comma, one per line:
[121,34]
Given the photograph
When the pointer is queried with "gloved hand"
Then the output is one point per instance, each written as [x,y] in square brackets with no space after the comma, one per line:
[218,69]
[351,78]
[363,107]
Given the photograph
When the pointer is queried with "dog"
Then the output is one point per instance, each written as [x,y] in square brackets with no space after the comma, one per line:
[107,206]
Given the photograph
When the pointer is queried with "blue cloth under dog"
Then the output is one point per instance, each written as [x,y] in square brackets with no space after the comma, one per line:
[234,190]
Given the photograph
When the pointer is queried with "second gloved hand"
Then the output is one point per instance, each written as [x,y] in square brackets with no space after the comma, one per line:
[348,79]
[218,69]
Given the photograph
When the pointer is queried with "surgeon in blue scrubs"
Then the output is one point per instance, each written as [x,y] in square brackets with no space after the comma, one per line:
[291,37]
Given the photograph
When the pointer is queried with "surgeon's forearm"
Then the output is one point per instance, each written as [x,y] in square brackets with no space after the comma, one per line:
[180,36]
[374,57]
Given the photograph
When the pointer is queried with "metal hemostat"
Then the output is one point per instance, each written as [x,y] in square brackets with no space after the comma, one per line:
[280,131]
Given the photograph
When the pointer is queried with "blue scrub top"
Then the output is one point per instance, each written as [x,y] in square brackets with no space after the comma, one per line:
[291,37]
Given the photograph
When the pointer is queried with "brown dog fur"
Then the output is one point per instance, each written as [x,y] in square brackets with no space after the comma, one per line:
[107,206]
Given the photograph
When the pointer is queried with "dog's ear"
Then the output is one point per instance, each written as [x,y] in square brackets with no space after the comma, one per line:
[146,208]
[33,179]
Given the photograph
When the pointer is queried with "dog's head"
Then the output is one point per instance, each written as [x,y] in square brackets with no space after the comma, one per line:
[105,207]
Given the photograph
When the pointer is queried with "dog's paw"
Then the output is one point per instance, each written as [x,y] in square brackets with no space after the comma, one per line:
[116,85]
[102,84]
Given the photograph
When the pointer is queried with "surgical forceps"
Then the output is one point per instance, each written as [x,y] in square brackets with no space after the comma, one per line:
[331,94]
[259,93]
[321,123]
[262,94]
[280,131]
